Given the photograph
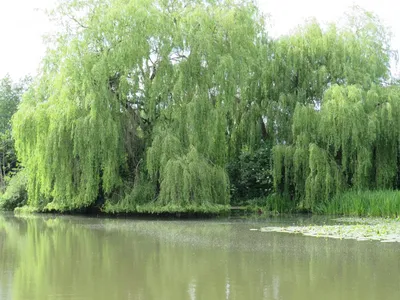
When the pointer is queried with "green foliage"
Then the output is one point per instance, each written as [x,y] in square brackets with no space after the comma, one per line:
[139,195]
[170,208]
[305,64]
[8,159]
[15,194]
[250,175]
[379,203]
[191,179]
[354,144]
[10,97]
[159,82]
[141,106]
[273,204]
[343,130]
[131,197]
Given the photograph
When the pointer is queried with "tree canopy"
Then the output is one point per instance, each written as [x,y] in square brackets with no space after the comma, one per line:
[149,91]
[143,105]
[343,131]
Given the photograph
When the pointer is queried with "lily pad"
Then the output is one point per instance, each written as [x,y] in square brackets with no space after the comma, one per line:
[383,230]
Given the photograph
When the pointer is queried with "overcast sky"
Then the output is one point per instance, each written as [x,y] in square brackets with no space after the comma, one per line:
[23,23]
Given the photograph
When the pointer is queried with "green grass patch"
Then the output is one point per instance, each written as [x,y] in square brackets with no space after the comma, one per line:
[381,203]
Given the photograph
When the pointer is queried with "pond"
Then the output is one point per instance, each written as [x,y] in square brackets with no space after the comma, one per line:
[64,257]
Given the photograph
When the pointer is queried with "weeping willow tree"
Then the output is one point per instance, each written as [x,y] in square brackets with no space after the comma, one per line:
[351,142]
[139,93]
[336,120]
[301,66]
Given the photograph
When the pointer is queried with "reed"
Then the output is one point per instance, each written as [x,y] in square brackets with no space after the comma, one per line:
[380,203]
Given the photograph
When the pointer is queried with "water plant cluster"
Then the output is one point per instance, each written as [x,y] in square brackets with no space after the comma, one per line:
[384,230]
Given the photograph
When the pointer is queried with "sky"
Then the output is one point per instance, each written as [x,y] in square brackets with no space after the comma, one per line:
[23,23]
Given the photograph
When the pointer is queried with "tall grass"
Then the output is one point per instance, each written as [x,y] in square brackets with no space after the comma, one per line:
[381,203]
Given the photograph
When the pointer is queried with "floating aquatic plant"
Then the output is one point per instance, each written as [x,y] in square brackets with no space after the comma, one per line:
[384,230]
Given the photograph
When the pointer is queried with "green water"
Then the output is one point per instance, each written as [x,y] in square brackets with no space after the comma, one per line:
[94,258]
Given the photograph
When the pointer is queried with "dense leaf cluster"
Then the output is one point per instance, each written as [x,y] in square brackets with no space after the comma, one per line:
[250,175]
[12,188]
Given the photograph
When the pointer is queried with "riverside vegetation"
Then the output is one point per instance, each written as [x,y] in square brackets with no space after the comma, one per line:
[158,106]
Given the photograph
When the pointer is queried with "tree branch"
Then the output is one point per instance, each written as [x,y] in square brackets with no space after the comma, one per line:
[77,21]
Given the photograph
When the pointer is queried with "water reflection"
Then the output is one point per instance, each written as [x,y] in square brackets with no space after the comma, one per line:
[87,258]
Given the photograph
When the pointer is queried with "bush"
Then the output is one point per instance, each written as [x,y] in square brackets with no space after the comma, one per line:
[15,194]
[251,176]
[139,194]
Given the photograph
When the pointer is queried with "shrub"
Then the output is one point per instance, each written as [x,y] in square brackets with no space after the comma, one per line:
[250,176]
[15,194]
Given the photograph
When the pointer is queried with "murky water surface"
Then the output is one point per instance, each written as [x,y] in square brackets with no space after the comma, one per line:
[53,257]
